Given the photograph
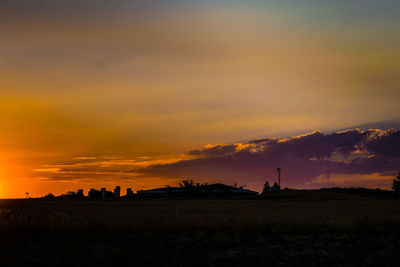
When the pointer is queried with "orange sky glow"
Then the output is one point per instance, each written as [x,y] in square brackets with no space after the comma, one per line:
[94,94]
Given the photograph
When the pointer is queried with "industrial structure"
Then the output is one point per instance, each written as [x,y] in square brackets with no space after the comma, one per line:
[279,177]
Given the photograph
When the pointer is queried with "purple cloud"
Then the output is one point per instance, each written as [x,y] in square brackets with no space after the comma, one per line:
[302,158]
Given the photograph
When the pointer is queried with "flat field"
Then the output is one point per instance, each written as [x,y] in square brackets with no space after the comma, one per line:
[287,228]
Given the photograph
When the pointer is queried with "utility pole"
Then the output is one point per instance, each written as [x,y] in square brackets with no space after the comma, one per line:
[279,177]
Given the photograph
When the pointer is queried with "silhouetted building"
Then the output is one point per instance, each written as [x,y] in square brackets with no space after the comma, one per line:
[117,191]
[197,191]
[93,193]
[129,192]
[273,188]
[80,193]
[222,189]
[154,192]
[103,193]
[162,192]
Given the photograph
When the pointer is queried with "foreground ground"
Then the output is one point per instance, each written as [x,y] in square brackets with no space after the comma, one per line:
[288,228]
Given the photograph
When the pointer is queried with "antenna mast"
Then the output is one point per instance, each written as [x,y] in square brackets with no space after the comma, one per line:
[279,177]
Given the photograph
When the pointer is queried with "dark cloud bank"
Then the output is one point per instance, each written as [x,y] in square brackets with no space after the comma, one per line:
[302,158]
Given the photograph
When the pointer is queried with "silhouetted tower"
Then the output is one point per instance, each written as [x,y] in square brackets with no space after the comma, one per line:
[91,192]
[80,193]
[117,191]
[103,193]
[279,177]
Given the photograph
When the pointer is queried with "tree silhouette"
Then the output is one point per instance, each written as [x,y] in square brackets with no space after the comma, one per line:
[241,187]
[266,187]
[188,183]
[396,184]
[49,196]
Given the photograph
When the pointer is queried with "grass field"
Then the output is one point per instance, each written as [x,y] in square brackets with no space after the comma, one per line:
[285,229]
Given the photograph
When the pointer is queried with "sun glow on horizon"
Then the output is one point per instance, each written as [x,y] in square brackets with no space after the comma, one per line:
[145,83]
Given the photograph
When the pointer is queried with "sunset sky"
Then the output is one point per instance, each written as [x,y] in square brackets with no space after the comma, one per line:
[97,93]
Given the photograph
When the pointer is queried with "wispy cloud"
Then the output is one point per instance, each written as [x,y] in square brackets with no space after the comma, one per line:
[101,167]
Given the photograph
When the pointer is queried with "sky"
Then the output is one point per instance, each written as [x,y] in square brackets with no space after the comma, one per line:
[146,93]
